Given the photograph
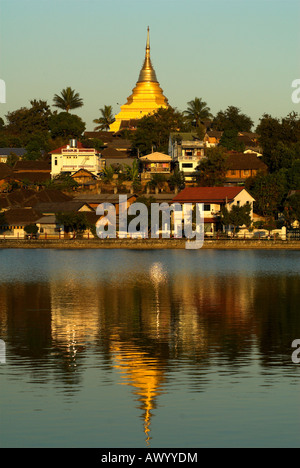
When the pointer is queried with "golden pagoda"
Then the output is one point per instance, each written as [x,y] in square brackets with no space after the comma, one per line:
[147,96]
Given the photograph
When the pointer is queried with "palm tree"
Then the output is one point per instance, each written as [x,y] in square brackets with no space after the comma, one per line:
[106,118]
[67,100]
[132,172]
[108,174]
[197,112]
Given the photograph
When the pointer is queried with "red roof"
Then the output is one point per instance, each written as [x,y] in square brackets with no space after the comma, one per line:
[58,150]
[207,194]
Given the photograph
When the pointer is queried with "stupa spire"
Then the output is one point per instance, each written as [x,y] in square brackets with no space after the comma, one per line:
[146,98]
[147,72]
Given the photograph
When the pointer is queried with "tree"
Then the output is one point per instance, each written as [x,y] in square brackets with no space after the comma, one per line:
[197,112]
[62,182]
[273,131]
[269,191]
[106,119]
[232,119]
[108,173]
[75,222]
[2,219]
[12,158]
[229,140]
[237,216]
[212,169]
[66,125]
[132,172]
[31,229]
[153,131]
[93,143]
[157,181]
[28,122]
[292,209]
[67,100]
[176,180]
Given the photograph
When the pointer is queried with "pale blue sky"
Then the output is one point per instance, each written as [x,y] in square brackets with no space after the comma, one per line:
[228,52]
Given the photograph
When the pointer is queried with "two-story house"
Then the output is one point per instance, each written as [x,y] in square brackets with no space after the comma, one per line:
[214,199]
[71,158]
[186,150]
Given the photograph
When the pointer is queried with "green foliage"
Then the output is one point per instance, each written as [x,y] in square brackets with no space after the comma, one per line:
[2,219]
[229,140]
[197,113]
[62,182]
[157,181]
[292,209]
[106,118]
[279,139]
[26,122]
[132,172]
[66,125]
[269,191]
[153,131]
[237,216]
[95,143]
[36,147]
[212,170]
[67,100]
[176,180]
[232,119]
[108,173]
[31,229]
[75,222]
[12,158]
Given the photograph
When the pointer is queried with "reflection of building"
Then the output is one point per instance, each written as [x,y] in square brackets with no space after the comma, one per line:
[146,97]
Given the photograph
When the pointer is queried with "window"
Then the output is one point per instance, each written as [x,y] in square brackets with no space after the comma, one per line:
[207,207]
[232,172]
[55,162]
[186,165]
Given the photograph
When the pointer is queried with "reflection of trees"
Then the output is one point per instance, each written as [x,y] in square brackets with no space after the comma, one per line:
[146,325]
[277,318]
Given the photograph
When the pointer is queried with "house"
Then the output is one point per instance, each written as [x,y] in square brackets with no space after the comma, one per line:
[71,158]
[50,229]
[16,219]
[29,198]
[214,199]
[94,200]
[5,152]
[115,158]
[186,149]
[240,166]
[155,163]
[212,138]
[36,172]
[6,175]
[70,206]
[84,178]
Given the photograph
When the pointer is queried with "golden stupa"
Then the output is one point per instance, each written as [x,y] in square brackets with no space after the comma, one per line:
[147,96]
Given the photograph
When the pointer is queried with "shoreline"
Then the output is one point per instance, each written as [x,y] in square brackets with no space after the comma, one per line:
[148,244]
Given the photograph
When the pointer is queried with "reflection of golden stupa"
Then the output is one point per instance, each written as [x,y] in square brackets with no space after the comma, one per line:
[145,374]
[146,97]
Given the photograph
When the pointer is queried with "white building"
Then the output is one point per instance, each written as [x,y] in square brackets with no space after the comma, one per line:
[187,150]
[71,158]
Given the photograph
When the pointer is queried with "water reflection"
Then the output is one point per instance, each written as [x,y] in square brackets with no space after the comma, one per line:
[152,326]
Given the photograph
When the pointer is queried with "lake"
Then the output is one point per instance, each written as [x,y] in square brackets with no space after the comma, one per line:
[167,348]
